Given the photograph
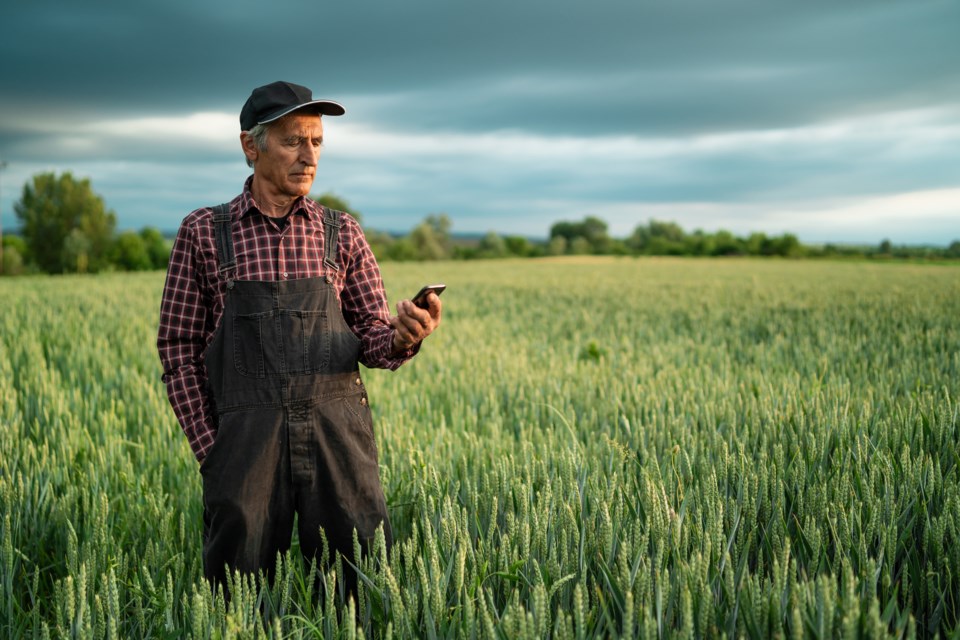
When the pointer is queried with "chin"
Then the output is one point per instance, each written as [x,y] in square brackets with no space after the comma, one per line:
[301,189]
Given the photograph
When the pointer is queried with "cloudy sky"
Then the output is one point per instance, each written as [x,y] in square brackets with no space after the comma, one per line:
[837,121]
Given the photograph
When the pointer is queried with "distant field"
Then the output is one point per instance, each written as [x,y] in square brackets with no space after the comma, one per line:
[586,448]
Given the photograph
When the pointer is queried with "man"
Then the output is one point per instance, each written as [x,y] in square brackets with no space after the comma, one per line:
[270,302]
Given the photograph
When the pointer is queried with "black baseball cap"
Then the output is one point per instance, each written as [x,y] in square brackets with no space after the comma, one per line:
[277,99]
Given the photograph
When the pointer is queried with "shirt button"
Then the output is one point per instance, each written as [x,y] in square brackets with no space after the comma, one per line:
[358,381]
[284,274]
[363,401]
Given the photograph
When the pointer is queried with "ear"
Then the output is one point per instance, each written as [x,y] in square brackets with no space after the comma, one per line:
[249,146]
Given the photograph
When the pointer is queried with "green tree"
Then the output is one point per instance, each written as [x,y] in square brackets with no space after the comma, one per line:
[580,246]
[726,244]
[787,245]
[557,246]
[14,255]
[130,252]
[402,250]
[157,248]
[791,246]
[492,246]
[757,241]
[564,229]
[76,252]
[431,238]
[595,231]
[617,247]
[65,225]
[700,243]
[658,238]
[519,246]
[380,243]
[591,229]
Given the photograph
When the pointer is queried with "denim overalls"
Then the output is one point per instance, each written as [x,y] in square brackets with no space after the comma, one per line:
[295,433]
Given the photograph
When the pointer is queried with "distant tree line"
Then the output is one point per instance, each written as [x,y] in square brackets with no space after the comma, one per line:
[66,228]
[431,240]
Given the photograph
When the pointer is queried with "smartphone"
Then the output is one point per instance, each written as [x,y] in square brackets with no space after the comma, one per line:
[421,298]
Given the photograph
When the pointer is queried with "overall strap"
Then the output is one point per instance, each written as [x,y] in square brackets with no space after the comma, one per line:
[223,232]
[331,236]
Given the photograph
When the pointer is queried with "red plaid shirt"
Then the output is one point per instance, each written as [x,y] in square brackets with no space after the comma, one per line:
[266,249]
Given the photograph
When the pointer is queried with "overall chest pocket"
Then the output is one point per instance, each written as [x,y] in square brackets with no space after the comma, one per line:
[305,336]
[288,341]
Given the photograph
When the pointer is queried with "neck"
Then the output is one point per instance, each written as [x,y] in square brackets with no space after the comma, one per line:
[270,202]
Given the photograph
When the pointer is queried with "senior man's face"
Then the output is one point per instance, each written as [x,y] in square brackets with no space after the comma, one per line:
[288,165]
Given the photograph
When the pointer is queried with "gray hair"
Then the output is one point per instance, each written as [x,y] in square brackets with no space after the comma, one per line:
[259,135]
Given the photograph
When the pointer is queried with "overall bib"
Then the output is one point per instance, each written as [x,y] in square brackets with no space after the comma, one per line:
[295,433]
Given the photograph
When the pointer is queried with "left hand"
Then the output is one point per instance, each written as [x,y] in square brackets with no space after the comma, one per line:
[412,324]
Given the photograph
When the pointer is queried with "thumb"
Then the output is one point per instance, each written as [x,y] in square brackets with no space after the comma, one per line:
[434,306]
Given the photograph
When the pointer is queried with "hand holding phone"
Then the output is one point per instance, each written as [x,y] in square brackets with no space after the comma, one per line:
[421,298]
[410,330]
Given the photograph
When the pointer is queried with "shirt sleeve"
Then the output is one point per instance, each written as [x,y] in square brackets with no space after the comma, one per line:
[181,340]
[364,303]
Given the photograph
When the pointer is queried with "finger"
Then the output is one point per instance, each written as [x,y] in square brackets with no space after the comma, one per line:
[403,338]
[411,314]
[409,328]
[434,306]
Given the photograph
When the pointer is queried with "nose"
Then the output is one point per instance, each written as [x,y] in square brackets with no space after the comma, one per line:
[309,153]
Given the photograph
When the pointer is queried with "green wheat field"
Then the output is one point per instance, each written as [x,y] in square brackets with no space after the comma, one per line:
[611,448]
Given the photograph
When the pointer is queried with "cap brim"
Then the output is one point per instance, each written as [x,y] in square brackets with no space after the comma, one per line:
[323,107]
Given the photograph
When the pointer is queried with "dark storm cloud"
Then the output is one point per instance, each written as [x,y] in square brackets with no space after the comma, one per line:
[546,66]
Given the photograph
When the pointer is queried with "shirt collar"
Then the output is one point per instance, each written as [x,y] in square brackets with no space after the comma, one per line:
[302,205]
